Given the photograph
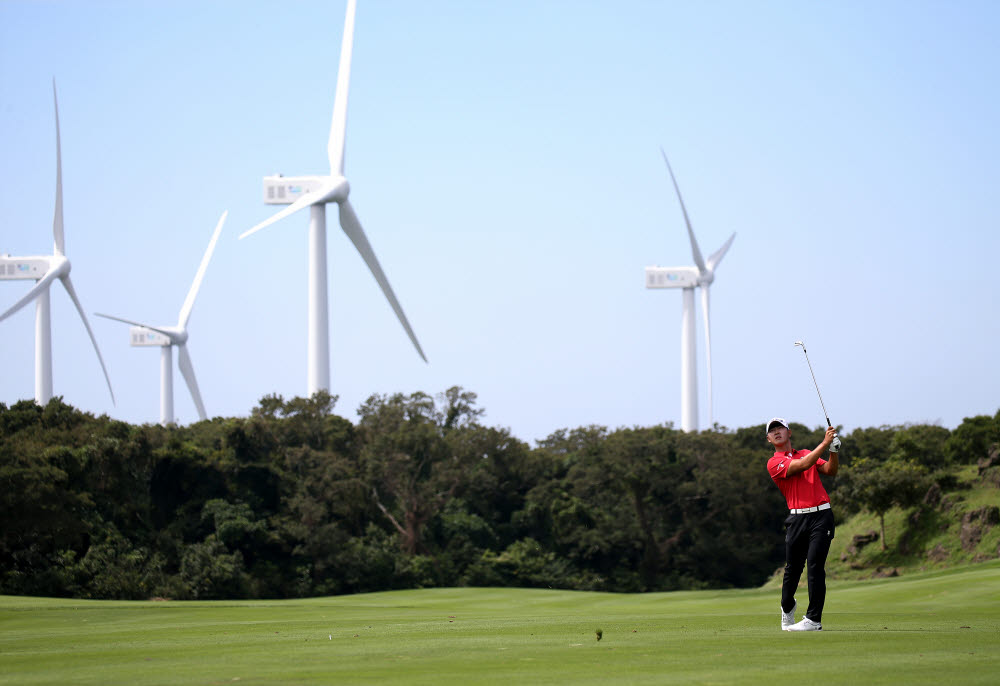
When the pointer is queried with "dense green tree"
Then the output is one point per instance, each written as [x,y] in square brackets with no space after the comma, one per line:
[880,485]
[972,439]
[295,500]
[306,421]
[44,517]
[872,442]
[114,568]
[44,505]
[731,516]
[647,472]
[574,512]
[922,444]
[413,464]
[209,571]
[525,563]
[502,470]
[327,506]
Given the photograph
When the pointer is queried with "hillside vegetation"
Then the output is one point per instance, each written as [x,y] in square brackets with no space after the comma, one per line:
[297,501]
[946,529]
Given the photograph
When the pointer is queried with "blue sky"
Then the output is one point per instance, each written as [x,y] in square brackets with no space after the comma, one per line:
[504,160]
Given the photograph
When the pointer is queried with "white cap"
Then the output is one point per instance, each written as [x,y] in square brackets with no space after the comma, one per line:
[774,420]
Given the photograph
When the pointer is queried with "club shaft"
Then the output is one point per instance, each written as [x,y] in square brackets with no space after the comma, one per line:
[825,414]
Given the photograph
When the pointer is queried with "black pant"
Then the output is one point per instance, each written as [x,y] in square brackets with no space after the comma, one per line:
[807,542]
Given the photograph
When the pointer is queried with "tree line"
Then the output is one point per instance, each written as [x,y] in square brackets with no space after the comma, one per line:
[297,501]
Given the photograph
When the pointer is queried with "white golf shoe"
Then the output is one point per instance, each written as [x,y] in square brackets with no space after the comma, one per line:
[788,618]
[806,625]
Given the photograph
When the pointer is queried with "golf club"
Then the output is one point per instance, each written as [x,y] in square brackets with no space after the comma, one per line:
[803,346]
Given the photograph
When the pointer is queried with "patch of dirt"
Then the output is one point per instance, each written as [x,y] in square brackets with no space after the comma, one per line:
[886,572]
[938,554]
[991,460]
[977,522]
[859,542]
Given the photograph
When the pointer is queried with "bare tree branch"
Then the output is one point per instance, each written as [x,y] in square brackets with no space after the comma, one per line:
[388,514]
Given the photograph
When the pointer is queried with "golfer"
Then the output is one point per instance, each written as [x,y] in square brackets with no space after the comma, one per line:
[809,526]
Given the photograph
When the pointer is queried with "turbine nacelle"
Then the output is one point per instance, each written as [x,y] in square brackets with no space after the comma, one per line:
[34,267]
[160,336]
[672,277]
[26,268]
[285,190]
[141,336]
[44,269]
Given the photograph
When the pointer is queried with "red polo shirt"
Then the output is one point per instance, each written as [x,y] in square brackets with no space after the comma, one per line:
[800,490]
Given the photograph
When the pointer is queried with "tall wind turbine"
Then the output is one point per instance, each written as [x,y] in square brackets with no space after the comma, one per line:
[688,278]
[166,337]
[316,192]
[45,269]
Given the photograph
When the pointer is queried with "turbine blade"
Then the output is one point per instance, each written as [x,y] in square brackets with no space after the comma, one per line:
[166,333]
[338,125]
[708,347]
[39,286]
[57,221]
[717,256]
[352,227]
[185,314]
[187,371]
[68,285]
[694,242]
[305,200]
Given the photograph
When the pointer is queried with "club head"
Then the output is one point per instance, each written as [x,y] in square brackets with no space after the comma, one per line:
[800,343]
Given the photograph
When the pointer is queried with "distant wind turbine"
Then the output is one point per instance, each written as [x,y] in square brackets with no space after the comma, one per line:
[166,337]
[315,192]
[45,269]
[688,278]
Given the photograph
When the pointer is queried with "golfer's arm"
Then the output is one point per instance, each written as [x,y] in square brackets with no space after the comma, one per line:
[801,465]
[832,465]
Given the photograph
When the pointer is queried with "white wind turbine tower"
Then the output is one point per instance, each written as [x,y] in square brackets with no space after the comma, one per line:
[689,278]
[166,337]
[315,192]
[45,269]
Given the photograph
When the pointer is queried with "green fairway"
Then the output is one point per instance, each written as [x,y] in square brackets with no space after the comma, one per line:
[932,628]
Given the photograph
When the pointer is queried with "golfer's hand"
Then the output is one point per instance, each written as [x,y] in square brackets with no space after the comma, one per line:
[835,446]
[831,435]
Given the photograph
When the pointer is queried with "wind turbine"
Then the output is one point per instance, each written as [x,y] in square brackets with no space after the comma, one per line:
[45,269]
[315,192]
[166,337]
[688,278]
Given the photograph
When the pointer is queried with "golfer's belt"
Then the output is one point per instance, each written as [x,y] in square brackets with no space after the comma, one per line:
[806,510]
